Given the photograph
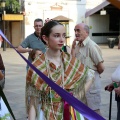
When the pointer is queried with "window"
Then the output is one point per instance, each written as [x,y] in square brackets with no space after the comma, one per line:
[66,25]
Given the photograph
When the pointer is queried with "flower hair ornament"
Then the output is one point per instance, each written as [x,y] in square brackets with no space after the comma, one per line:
[47,20]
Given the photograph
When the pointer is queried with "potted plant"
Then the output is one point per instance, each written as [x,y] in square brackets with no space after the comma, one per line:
[111,42]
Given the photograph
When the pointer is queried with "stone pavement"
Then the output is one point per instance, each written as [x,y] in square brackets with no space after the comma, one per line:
[16,73]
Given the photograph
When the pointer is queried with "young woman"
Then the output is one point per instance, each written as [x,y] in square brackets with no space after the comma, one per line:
[33,54]
[60,67]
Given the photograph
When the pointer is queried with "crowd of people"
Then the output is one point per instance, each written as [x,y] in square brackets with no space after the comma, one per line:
[52,62]
[77,72]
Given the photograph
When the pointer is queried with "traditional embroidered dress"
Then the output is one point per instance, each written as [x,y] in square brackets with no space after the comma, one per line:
[71,75]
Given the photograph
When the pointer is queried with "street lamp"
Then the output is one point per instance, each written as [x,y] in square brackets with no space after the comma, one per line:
[103,12]
[2,4]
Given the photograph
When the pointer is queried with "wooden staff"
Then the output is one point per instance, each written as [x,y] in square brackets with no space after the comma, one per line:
[6,102]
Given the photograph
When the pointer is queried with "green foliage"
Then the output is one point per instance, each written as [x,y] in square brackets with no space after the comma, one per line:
[90,27]
[5,116]
[15,6]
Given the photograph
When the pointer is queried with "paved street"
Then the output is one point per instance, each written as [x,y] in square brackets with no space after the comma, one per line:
[16,73]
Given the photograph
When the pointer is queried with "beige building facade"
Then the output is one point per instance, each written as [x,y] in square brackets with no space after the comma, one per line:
[69,12]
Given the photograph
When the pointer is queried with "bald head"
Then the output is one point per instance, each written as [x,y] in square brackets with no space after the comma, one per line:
[81,31]
[84,26]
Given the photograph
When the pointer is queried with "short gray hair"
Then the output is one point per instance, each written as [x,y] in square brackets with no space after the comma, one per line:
[38,20]
[86,28]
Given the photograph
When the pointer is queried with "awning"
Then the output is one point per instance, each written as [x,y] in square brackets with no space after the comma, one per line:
[61,18]
[12,17]
[115,3]
[99,7]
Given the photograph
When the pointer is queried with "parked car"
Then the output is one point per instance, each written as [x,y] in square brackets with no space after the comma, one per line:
[2,68]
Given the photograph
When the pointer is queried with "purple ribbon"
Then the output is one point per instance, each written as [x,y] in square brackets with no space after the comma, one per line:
[75,103]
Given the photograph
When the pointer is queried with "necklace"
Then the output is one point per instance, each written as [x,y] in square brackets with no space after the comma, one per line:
[54,58]
[49,75]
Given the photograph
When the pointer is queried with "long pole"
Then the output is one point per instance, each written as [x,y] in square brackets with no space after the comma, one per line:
[4,43]
[110,105]
[6,103]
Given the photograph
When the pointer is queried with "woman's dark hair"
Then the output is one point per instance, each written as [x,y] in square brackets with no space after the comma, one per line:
[32,54]
[46,29]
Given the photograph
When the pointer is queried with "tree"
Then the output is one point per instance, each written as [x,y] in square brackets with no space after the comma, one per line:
[13,5]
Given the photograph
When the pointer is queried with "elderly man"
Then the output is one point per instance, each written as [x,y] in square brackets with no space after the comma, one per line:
[90,54]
